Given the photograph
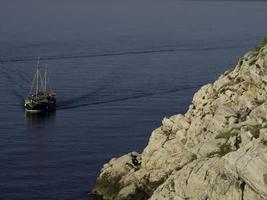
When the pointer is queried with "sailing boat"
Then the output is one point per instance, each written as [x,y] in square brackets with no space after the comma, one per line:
[40,99]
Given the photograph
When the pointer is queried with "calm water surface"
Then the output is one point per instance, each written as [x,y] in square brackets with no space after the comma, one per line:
[118,68]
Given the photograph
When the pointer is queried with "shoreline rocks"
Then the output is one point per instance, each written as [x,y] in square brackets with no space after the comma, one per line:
[216,150]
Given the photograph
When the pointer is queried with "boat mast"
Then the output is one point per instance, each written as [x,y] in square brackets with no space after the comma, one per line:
[45,77]
[37,76]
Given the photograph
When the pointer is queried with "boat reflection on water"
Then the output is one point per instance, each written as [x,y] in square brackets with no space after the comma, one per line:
[39,130]
[39,120]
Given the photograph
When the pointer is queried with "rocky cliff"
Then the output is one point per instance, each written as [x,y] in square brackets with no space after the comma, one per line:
[217,150]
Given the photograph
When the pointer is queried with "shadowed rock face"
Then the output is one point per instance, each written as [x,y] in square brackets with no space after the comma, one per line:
[216,150]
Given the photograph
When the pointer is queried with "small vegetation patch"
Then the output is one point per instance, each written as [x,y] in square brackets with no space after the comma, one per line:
[259,102]
[252,62]
[265,178]
[194,157]
[255,130]
[263,43]
[226,135]
[238,141]
[238,80]
[225,148]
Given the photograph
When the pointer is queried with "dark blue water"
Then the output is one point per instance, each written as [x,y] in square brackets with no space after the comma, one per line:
[118,68]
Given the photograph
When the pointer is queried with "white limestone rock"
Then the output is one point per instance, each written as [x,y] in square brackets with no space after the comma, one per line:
[216,150]
[249,163]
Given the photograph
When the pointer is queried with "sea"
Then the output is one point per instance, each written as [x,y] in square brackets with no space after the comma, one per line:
[118,68]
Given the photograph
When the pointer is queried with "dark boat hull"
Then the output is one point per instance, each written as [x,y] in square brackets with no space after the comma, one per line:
[41,107]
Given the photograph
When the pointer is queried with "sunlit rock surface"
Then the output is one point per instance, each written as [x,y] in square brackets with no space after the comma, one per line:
[216,150]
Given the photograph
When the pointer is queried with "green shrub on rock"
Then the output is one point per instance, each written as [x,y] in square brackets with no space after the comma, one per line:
[263,43]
